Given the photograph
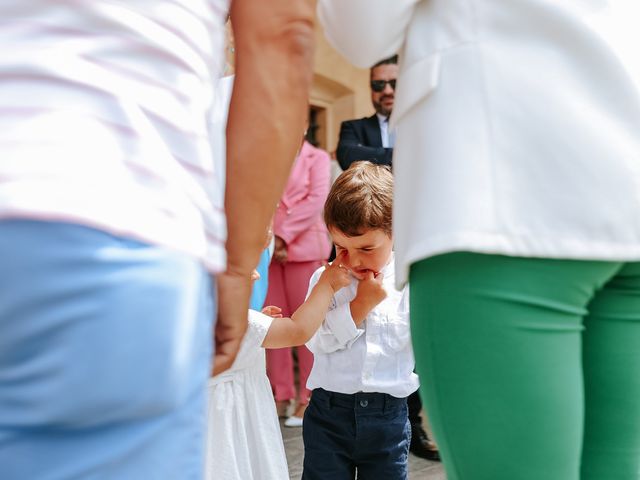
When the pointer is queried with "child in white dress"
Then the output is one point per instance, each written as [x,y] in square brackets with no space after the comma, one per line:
[243,435]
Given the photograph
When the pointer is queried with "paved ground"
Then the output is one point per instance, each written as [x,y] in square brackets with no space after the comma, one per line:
[419,469]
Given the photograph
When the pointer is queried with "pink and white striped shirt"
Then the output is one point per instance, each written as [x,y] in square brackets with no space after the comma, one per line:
[104,109]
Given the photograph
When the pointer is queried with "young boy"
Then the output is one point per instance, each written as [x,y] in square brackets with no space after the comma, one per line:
[363,363]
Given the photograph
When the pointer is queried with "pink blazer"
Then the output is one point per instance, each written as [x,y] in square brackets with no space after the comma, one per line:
[298,219]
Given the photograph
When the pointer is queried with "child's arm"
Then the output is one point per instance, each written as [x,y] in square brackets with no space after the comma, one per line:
[297,330]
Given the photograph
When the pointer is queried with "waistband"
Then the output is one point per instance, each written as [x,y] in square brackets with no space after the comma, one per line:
[359,400]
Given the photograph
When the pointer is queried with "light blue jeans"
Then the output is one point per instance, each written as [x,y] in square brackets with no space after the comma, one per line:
[105,347]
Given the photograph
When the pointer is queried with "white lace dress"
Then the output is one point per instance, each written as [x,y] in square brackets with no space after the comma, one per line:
[244,441]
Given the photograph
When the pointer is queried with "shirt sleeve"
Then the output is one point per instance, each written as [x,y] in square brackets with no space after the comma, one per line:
[260,324]
[338,331]
[365,31]
[251,345]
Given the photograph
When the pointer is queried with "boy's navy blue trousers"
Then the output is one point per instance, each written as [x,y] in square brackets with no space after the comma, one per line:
[367,433]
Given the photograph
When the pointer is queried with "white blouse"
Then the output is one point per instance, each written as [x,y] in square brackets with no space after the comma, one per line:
[518,123]
[104,118]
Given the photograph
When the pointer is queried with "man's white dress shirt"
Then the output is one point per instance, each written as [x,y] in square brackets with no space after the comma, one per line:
[388,136]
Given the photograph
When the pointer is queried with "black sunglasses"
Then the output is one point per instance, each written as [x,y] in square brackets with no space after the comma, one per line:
[378,85]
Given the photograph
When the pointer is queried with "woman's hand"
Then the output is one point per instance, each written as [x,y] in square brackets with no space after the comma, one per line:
[280,251]
[234,290]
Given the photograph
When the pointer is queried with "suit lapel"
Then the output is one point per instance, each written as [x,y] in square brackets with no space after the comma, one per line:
[372,131]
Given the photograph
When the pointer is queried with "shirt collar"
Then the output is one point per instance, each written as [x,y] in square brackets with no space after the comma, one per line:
[388,270]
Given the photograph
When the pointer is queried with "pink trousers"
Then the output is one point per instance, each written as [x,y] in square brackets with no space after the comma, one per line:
[288,285]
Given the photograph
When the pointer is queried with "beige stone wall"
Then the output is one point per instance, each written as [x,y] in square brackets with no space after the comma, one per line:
[340,89]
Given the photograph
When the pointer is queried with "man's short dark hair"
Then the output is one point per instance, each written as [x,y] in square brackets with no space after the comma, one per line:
[387,61]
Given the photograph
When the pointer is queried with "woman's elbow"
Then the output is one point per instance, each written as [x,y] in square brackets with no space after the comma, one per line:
[301,337]
[298,38]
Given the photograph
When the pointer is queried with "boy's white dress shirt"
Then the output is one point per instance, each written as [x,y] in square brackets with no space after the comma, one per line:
[375,357]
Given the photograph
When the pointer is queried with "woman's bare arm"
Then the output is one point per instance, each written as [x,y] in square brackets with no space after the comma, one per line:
[274,51]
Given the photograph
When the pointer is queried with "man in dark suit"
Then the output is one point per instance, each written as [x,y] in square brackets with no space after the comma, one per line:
[371,139]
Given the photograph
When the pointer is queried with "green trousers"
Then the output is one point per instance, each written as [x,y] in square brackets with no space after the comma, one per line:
[530,368]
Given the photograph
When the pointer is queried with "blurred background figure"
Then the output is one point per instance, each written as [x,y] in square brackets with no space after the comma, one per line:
[301,246]
[371,138]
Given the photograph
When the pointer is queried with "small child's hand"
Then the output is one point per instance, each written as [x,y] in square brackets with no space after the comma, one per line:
[272,311]
[335,274]
[370,291]
[255,275]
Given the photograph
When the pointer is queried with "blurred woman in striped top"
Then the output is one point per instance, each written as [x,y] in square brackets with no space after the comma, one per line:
[112,222]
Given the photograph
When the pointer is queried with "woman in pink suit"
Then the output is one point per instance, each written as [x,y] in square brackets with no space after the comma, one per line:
[301,246]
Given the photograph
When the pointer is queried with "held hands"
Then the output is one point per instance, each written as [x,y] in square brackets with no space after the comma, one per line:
[335,274]
[234,289]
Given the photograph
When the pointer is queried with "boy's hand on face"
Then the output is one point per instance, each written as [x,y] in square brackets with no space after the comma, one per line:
[370,292]
[370,288]
[336,274]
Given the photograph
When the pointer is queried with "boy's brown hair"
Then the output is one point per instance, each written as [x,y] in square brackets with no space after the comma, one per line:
[361,199]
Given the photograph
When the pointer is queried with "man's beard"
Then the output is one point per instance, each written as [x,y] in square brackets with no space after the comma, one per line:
[380,109]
